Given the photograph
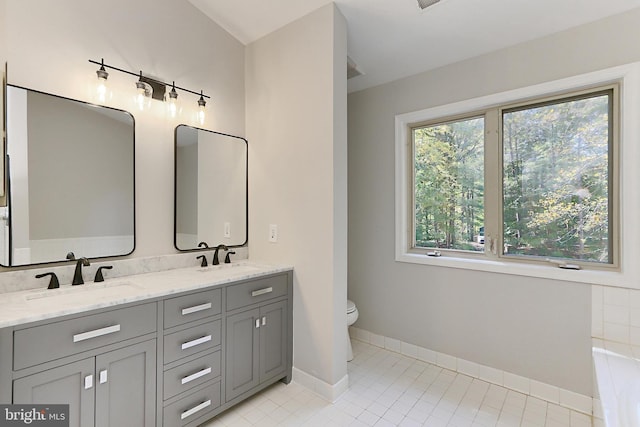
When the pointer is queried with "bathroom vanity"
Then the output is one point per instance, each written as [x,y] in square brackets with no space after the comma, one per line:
[172,348]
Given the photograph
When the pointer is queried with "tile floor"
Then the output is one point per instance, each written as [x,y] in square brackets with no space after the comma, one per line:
[389,389]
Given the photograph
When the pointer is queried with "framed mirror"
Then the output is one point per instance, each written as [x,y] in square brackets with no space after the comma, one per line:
[70,179]
[210,189]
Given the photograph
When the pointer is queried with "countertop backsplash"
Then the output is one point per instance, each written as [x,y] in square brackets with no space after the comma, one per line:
[24,279]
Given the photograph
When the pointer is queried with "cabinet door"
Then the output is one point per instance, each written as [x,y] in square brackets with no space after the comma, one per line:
[273,340]
[126,386]
[242,353]
[68,384]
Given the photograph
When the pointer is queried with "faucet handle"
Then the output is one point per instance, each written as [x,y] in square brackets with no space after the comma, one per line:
[53,283]
[71,256]
[201,244]
[204,260]
[227,259]
[99,277]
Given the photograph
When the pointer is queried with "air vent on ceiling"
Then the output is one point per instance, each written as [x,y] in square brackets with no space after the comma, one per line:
[352,69]
[426,3]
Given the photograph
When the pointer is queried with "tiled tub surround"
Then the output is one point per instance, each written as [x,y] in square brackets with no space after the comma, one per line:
[24,278]
[615,327]
[530,387]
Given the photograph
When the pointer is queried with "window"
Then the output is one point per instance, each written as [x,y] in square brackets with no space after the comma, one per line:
[449,185]
[556,178]
[546,190]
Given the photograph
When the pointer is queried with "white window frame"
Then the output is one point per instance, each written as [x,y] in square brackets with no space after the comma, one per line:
[628,273]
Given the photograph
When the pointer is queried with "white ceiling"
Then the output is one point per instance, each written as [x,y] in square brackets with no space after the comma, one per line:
[391,39]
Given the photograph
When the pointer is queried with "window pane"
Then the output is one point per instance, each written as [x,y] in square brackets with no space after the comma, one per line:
[449,185]
[556,179]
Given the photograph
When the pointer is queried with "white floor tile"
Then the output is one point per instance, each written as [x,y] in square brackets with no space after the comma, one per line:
[388,389]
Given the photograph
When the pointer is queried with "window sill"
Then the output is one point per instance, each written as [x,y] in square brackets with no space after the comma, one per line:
[594,277]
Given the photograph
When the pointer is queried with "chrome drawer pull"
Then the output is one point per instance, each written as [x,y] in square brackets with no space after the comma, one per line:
[195,409]
[196,308]
[195,376]
[97,333]
[196,342]
[262,291]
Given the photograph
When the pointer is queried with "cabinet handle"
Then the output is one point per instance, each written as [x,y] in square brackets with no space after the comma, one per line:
[88,382]
[264,320]
[196,342]
[195,409]
[195,376]
[262,291]
[257,323]
[96,333]
[196,308]
[103,376]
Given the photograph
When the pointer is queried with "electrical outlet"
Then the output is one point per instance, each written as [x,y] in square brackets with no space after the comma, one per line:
[273,233]
[227,230]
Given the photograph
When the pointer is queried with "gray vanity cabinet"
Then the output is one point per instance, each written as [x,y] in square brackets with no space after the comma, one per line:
[126,386]
[102,364]
[257,339]
[61,385]
[114,389]
[174,361]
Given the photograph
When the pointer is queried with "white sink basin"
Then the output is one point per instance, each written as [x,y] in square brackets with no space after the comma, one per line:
[618,378]
[106,287]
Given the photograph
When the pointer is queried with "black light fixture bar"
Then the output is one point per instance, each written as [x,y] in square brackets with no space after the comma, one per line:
[148,79]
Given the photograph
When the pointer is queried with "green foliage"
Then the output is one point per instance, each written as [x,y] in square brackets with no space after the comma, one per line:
[449,184]
[556,180]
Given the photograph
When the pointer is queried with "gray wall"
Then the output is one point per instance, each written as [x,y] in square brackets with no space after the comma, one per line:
[169,39]
[532,327]
[187,188]
[80,170]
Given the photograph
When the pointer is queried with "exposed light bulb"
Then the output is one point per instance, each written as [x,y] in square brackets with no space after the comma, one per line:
[173,101]
[201,108]
[102,83]
[141,94]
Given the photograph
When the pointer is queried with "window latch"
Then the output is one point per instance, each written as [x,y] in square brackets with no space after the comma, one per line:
[564,265]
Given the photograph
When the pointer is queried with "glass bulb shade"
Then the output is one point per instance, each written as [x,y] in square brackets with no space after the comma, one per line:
[201,106]
[141,94]
[101,89]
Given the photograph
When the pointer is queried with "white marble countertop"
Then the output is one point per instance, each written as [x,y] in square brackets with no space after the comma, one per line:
[21,307]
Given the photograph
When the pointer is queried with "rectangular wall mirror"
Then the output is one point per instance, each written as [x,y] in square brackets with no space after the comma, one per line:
[210,188]
[70,180]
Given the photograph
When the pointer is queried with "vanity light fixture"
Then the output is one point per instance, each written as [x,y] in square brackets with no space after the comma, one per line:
[201,106]
[102,82]
[148,87]
[173,100]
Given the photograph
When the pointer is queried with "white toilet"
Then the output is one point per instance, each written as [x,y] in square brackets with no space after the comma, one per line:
[352,316]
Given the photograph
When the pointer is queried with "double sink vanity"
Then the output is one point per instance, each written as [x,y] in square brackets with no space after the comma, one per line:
[171,348]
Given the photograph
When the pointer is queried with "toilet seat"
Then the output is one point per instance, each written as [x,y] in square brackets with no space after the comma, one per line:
[351,307]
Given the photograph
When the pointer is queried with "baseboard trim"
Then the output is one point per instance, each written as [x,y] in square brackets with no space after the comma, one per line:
[325,390]
[547,392]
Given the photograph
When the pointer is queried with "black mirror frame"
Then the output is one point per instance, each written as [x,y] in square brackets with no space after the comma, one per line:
[175,190]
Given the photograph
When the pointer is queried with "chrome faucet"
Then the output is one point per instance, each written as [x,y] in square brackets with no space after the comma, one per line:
[77,276]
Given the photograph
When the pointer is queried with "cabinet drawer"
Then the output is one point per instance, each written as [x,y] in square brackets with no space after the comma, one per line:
[256,291]
[186,308]
[191,374]
[40,344]
[192,340]
[192,407]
